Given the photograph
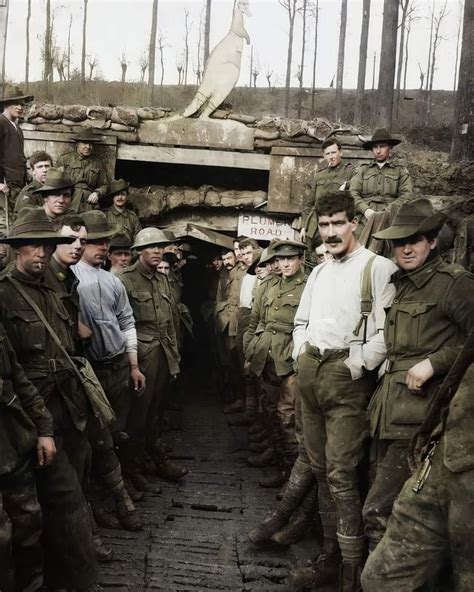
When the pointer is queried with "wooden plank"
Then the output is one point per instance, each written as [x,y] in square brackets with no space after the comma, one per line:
[194,156]
[358,153]
[60,137]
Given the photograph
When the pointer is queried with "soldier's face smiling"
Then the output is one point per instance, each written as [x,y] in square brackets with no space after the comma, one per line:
[412,252]
[84,148]
[120,199]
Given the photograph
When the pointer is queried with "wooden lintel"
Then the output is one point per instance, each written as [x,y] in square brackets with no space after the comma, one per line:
[195,156]
[60,137]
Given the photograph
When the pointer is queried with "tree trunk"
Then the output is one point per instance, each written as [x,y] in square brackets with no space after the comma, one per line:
[405,68]
[456,62]
[290,7]
[401,49]
[374,70]
[27,59]
[152,50]
[69,49]
[303,48]
[462,146]
[340,60]
[428,68]
[388,55]
[84,47]
[186,46]
[207,31]
[3,42]
[364,40]
[315,54]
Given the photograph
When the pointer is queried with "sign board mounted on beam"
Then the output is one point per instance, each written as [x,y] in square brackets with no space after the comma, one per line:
[262,227]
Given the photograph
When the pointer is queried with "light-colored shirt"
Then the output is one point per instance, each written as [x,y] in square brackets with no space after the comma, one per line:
[247,289]
[330,309]
[104,307]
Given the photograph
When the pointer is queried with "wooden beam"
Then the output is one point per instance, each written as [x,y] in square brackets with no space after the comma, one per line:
[65,138]
[194,156]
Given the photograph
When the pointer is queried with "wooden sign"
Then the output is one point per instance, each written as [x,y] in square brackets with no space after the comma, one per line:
[262,227]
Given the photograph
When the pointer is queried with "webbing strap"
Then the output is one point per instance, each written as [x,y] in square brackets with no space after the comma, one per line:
[365,299]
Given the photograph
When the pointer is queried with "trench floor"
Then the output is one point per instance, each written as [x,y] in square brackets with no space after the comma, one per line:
[195,535]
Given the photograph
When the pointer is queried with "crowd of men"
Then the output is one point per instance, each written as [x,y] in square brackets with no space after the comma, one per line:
[353,380]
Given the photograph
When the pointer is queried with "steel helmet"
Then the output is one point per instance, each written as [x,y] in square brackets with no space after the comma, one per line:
[150,236]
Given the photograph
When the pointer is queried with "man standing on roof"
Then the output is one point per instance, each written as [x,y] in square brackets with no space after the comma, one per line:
[86,171]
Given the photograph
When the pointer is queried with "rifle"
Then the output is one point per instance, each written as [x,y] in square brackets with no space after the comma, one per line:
[446,391]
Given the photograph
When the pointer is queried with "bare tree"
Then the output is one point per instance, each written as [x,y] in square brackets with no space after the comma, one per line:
[143,63]
[207,30]
[428,68]
[27,59]
[374,63]
[123,66]
[291,7]
[303,51]
[340,60]
[364,40]
[255,71]
[152,49]
[388,53]
[198,69]
[84,48]
[422,76]
[411,18]
[161,49]
[268,76]
[69,52]
[456,62]
[180,68]
[187,29]
[4,9]
[251,66]
[48,45]
[462,146]
[315,14]
[404,5]
[92,62]
[437,38]
[60,63]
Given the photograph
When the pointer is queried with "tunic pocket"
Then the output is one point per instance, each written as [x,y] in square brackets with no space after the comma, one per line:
[142,305]
[413,322]
[29,331]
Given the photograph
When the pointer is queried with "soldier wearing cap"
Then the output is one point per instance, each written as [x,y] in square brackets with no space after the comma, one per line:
[118,215]
[338,345]
[56,193]
[120,253]
[334,177]
[112,351]
[148,292]
[12,157]
[382,183]
[67,537]
[40,163]
[430,318]
[86,171]
[269,355]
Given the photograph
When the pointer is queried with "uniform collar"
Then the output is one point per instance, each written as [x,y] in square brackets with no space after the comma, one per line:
[420,276]
[28,279]
[144,270]
[294,280]
[387,163]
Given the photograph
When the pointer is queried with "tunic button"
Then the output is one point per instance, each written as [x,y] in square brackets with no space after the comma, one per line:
[274,332]
[391,323]
[276,307]
[395,301]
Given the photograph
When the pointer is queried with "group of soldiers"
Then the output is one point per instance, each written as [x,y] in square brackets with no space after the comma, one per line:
[353,380]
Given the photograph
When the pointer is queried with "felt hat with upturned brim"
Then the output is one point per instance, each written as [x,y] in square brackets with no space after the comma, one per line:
[267,255]
[15,94]
[86,136]
[288,248]
[120,242]
[413,218]
[257,253]
[55,180]
[97,225]
[381,136]
[32,226]
[117,186]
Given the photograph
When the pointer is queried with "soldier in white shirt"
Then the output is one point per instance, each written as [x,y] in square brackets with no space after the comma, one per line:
[338,346]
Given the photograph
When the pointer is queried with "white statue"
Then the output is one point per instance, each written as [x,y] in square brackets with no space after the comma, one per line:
[223,66]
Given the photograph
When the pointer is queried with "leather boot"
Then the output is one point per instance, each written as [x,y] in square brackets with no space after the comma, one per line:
[265,459]
[102,552]
[323,570]
[164,468]
[264,531]
[277,479]
[135,495]
[300,522]
[234,407]
[104,515]
[349,577]
[142,485]
[127,513]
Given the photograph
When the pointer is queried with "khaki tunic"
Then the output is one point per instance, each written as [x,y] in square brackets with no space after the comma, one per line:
[326,182]
[26,197]
[431,316]
[378,187]
[125,222]
[275,312]
[88,173]
[228,299]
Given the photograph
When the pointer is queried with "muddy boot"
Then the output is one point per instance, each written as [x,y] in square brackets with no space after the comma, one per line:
[103,553]
[266,458]
[353,551]
[276,479]
[141,484]
[264,531]
[322,571]
[234,407]
[300,522]
[164,468]
[135,495]
[104,514]
[349,577]
[126,512]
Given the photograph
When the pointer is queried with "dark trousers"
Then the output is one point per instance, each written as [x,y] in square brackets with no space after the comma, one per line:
[21,555]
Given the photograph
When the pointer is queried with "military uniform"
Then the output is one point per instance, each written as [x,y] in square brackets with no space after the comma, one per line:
[70,558]
[88,174]
[379,187]
[28,197]
[125,221]
[23,417]
[326,182]
[431,315]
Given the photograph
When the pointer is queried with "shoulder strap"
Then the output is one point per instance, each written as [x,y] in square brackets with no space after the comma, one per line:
[50,330]
[365,299]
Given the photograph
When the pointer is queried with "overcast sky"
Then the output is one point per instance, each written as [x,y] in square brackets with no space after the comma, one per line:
[123,26]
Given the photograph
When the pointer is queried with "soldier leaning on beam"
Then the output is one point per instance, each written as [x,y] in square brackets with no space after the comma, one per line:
[70,560]
[148,292]
[431,316]
[25,425]
[380,184]
[86,170]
